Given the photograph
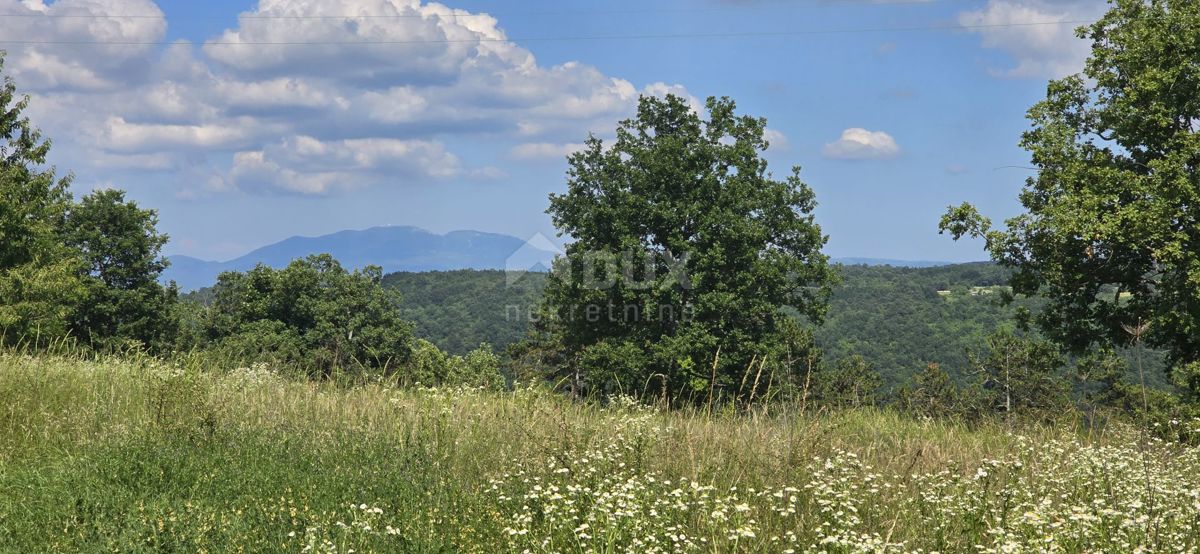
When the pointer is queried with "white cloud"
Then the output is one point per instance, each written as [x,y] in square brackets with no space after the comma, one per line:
[395,105]
[777,139]
[81,65]
[423,43]
[861,144]
[124,136]
[1038,35]
[281,92]
[305,165]
[661,89]
[147,162]
[544,150]
[247,102]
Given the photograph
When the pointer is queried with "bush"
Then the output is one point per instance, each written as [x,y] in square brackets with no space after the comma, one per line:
[852,383]
[312,313]
[430,366]
[933,394]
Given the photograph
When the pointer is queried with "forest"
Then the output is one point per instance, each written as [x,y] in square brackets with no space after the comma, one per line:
[898,319]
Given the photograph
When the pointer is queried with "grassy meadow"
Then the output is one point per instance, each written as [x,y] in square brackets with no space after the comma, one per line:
[139,455]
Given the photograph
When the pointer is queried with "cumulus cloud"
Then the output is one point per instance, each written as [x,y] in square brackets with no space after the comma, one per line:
[403,41]
[307,105]
[662,89]
[81,65]
[777,139]
[544,150]
[124,136]
[306,165]
[1038,35]
[861,144]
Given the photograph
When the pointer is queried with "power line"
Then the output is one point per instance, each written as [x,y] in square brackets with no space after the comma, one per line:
[811,5]
[748,34]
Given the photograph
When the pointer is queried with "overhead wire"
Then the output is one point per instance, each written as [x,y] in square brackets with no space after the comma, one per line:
[566,38]
[816,4]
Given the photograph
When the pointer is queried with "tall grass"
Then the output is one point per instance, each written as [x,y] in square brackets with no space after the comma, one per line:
[134,454]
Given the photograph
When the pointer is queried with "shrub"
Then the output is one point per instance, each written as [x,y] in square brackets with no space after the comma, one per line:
[313,312]
[430,366]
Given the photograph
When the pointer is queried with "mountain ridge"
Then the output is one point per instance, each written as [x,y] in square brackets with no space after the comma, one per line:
[394,248]
[408,248]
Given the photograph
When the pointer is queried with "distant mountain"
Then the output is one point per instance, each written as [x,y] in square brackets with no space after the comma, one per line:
[404,248]
[399,248]
[893,263]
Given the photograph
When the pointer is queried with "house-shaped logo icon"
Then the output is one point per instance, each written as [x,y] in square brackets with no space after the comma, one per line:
[536,254]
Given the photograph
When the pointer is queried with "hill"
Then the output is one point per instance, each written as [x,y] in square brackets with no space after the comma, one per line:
[408,249]
[399,248]
[458,310]
[900,319]
[893,316]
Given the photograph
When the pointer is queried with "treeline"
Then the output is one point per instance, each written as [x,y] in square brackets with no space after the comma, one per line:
[317,317]
[83,275]
[898,320]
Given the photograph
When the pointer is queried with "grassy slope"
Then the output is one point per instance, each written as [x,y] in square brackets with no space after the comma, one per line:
[139,456]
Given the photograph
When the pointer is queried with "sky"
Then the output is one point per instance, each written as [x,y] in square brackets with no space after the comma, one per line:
[243,123]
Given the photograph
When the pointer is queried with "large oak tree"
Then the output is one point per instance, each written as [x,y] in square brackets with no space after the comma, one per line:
[689,261]
[1111,229]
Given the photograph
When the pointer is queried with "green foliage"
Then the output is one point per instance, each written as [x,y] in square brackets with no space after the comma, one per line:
[312,314]
[38,285]
[87,270]
[1099,380]
[1020,375]
[850,383]
[38,300]
[1187,379]
[120,247]
[264,340]
[1111,232]
[431,367]
[478,368]
[683,245]
[896,319]
[426,365]
[933,394]
[613,367]
[893,317]
[33,204]
[457,310]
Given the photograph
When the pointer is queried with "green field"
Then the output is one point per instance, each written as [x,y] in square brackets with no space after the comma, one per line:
[137,455]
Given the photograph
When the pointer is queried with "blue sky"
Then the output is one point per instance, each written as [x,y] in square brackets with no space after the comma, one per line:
[241,132]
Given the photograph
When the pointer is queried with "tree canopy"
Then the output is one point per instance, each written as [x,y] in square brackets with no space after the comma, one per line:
[684,245]
[312,313]
[120,246]
[1110,236]
[39,282]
